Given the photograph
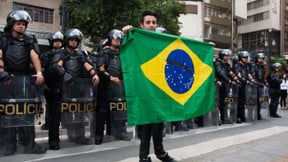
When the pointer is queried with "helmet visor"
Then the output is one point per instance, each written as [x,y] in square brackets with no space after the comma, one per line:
[21,16]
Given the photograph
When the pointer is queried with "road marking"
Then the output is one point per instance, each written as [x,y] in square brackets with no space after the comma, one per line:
[217,143]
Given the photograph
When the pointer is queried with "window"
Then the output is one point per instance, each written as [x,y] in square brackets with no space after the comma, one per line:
[214,12]
[254,40]
[257,4]
[38,14]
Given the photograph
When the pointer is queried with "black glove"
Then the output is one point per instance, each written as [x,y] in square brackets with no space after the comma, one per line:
[67,78]
[4,76]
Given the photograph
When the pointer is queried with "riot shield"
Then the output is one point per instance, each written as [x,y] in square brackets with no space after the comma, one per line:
[263,97]
[77,108]
[212,118]
[251,102]
[230,109]
[20,102]
[117,106]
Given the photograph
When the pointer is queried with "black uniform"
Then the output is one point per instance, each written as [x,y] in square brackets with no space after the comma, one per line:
[111,59]
[258,72]
[242,70]
[222,70]
[73,68]
[274,92]
[16,58]
[52,94]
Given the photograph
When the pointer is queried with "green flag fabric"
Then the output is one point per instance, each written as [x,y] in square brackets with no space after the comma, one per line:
[166,77]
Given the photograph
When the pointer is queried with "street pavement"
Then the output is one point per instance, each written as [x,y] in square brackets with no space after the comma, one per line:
[260,141]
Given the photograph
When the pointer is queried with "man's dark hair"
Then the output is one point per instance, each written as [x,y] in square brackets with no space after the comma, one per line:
[148,13]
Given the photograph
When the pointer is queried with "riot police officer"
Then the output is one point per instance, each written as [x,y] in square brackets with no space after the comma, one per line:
[52,91]
[257,70]
[68,63]
[111,74]
[241,69]
[224,75]
[274,81]
[17,51]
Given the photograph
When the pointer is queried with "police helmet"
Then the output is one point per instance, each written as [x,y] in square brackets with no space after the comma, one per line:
[260,55]
[224,52]
[101,45]
[55,36]
[115,34]
[73,34]
[276,65]
[243,54]
[18,15]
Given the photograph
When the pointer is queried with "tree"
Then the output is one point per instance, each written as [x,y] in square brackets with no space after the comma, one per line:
[95,18]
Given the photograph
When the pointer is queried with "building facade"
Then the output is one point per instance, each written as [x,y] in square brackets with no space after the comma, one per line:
[284,29]
[192,22]
[260,32]
[45,17]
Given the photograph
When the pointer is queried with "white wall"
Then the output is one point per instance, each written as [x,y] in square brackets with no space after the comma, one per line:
[240,8]
[192,24]
[272,23]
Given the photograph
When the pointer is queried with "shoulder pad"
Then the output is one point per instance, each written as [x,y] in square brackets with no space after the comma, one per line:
[30,38]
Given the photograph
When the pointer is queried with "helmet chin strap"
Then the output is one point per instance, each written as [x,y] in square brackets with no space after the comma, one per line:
[20,34]
[71,47]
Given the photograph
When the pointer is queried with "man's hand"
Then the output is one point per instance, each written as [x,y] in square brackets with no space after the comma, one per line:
[115,80]
[95,80]
[126,28]
[39,78]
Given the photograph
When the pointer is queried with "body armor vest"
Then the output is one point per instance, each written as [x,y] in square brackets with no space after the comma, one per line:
[114,67]
[273,80]
[259,72]
[72,64]
[243,70]
[222,70]
[17,57]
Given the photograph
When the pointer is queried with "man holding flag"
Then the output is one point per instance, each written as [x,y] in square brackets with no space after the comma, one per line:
[164,81]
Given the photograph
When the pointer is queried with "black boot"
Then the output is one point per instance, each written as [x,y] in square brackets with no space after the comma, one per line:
[166,158]
[98,139]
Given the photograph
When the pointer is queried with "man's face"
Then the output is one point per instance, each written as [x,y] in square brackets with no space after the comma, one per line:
[73,43]
[260,60]
[149,23]
[19,26]
[57,43]
[244,59]
[226,58]
[116,42]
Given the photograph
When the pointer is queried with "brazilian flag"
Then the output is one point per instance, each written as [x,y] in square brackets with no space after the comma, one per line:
[166,77]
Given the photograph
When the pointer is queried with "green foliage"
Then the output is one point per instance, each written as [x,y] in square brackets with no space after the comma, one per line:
[95,18]
[281,60]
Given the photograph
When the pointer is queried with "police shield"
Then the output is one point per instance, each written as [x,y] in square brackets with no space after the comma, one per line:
[20,101]
[117,106]
[212,118]
[230,100]
[263,97]
[77,108]
[251,102]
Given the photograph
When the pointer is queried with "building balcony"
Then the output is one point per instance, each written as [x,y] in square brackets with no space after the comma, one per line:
[219,21]
[219,38]
[218,3]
